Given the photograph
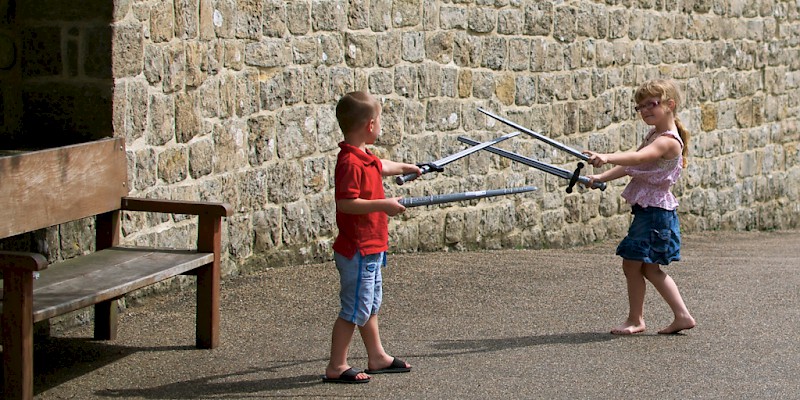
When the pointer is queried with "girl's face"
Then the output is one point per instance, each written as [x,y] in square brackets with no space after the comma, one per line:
[654,110]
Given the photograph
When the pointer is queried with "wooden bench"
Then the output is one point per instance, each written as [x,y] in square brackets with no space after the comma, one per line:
[45,188]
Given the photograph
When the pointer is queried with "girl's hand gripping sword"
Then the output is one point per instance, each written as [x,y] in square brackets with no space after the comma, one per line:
[438,165]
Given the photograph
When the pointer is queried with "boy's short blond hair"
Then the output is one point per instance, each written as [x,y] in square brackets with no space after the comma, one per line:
[356,109]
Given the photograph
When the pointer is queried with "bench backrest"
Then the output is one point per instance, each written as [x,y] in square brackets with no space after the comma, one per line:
[50,187]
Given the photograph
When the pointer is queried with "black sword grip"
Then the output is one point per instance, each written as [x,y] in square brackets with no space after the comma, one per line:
[574,179]
[400,180]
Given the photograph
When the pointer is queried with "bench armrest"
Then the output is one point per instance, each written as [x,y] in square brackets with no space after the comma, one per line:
[22,260]
[177,207]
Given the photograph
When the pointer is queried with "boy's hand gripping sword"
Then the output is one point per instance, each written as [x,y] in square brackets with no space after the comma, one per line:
[438,165]
[449,198]
[561,146]
[551,169]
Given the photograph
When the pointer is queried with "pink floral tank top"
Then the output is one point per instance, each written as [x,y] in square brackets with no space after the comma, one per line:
[650,182]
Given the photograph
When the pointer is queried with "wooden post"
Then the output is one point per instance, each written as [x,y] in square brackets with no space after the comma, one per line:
[208,282]
[18,334]
[106,313]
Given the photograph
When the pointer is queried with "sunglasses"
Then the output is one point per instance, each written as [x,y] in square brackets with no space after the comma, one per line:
[647,106]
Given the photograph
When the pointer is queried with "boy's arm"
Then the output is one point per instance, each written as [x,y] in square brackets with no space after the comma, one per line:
[390,206]
[397,168]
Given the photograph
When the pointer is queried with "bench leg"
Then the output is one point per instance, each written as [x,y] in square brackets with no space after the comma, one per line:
[208,278]
[105,320]
[17,334]
[207,333]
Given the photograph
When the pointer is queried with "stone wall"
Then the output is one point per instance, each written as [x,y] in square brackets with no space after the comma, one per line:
[233,100]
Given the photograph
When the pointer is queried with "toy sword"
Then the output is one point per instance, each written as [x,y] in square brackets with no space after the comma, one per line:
[449,198]
[439,164]
[573,177]
[551,142]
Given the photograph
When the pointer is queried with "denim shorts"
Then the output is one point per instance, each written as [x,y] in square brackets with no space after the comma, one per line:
[361,288]
[654,236]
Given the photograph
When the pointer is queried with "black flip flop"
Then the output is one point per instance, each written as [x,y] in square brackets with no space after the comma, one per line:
[396,366]
[348,376]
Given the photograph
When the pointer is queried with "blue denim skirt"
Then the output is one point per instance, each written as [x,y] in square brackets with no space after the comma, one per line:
[654,236]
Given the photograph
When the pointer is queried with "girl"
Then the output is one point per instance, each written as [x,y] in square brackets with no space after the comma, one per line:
[654,235]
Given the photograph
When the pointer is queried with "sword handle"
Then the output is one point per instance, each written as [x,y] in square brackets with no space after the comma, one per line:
[596,185]
[400,180]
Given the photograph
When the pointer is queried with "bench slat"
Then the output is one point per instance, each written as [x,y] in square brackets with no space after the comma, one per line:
[49,187]
[107,274]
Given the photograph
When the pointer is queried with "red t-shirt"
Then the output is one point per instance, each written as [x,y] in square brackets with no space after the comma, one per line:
[358,176]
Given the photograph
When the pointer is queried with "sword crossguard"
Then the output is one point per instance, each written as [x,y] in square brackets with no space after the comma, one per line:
[431,167]
[574,179]
[425,167]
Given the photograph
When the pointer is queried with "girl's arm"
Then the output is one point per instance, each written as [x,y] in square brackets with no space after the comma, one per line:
[613,173]
[663,147]
[390,206]
[396,168]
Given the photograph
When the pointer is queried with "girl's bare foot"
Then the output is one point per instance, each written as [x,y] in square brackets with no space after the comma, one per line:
[629,328]
[678,325]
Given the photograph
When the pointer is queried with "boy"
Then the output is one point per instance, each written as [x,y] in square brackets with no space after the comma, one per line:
[360,248]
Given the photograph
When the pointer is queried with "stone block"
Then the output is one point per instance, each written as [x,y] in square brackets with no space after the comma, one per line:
[305,50]
[430,80]
[439,47]
[481,19]
[331,48]
[453,17]
[173,164]
[380,18]
[539,18]
[494,53]
[361,50]
[564,24]
[162,21]
[483,84]
[413,46]
[406,13]
[381,82]
[187,120]
[296,132]
[510,21]
[201,158]
[268,53]
[386,51]
[467,50]
[161,126]
[443,115]
[406,81]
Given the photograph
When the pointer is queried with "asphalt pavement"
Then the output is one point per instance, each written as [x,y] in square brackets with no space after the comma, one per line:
[529,324]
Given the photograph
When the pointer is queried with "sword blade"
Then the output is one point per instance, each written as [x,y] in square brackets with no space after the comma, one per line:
[452,197]
[551,142]
[447,160]
[473,149]
[551,169]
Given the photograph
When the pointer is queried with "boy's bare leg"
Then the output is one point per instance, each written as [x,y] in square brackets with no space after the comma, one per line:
[340,345]
[636,291]
[376,356]
[669,291]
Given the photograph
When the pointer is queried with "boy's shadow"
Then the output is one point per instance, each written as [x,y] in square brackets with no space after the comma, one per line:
[217,386]
[58,360]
